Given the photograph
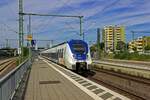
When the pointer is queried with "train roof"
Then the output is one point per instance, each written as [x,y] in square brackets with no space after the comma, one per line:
[70,41]
[58,44]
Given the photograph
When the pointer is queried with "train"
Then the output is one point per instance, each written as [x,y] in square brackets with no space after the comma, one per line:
[73,54]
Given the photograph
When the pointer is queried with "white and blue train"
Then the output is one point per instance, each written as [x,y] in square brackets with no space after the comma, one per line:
[74,54]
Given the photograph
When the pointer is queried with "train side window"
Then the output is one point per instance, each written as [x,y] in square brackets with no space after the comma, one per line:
[62,53]
[59,53]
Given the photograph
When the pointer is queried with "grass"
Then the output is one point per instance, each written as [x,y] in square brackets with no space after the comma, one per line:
[132,56]
[126,56]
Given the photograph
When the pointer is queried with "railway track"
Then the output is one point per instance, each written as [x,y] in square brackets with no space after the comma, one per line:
[136,71]
[134,87]
[6,66]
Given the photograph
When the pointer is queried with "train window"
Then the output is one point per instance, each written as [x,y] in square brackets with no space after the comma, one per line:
[80,48]
[58,53]
[62,53]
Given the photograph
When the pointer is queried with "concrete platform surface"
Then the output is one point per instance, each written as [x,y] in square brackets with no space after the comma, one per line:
[45,83]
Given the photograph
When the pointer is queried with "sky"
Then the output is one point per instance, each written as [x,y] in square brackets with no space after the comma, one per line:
[132,14]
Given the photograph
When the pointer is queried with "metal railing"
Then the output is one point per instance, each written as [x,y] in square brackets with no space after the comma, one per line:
[10,82]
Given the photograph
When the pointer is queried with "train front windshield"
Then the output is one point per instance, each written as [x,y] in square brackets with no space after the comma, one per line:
[79,48]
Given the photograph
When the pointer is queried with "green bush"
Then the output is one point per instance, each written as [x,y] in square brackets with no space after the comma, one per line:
[132,56]
[25,51]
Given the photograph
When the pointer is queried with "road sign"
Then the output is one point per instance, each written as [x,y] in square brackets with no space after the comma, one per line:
[29,37]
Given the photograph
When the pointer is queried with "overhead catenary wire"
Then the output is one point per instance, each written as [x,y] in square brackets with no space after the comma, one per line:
[48,22]
[66,3]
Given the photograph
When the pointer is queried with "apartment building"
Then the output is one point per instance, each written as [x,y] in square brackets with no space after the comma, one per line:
[111,36]
[139,44]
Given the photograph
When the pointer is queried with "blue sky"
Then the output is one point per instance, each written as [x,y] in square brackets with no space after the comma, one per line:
[133,14]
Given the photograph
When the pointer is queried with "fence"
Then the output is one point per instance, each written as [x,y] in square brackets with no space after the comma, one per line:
[10,82]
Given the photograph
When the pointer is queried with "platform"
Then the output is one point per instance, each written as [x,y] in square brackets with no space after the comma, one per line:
[47,84]
[47,81]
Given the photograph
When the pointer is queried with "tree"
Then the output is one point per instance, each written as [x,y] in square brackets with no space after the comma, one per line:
[127,46]
[135,49]
[102,45]
[147,48]
[93,48]
[121,46]
[25,51]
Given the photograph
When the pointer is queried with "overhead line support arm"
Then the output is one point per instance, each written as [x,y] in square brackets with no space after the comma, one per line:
[50,15]
[53,15]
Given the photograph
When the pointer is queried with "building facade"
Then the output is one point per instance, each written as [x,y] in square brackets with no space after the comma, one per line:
[139,44]
[111,36]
